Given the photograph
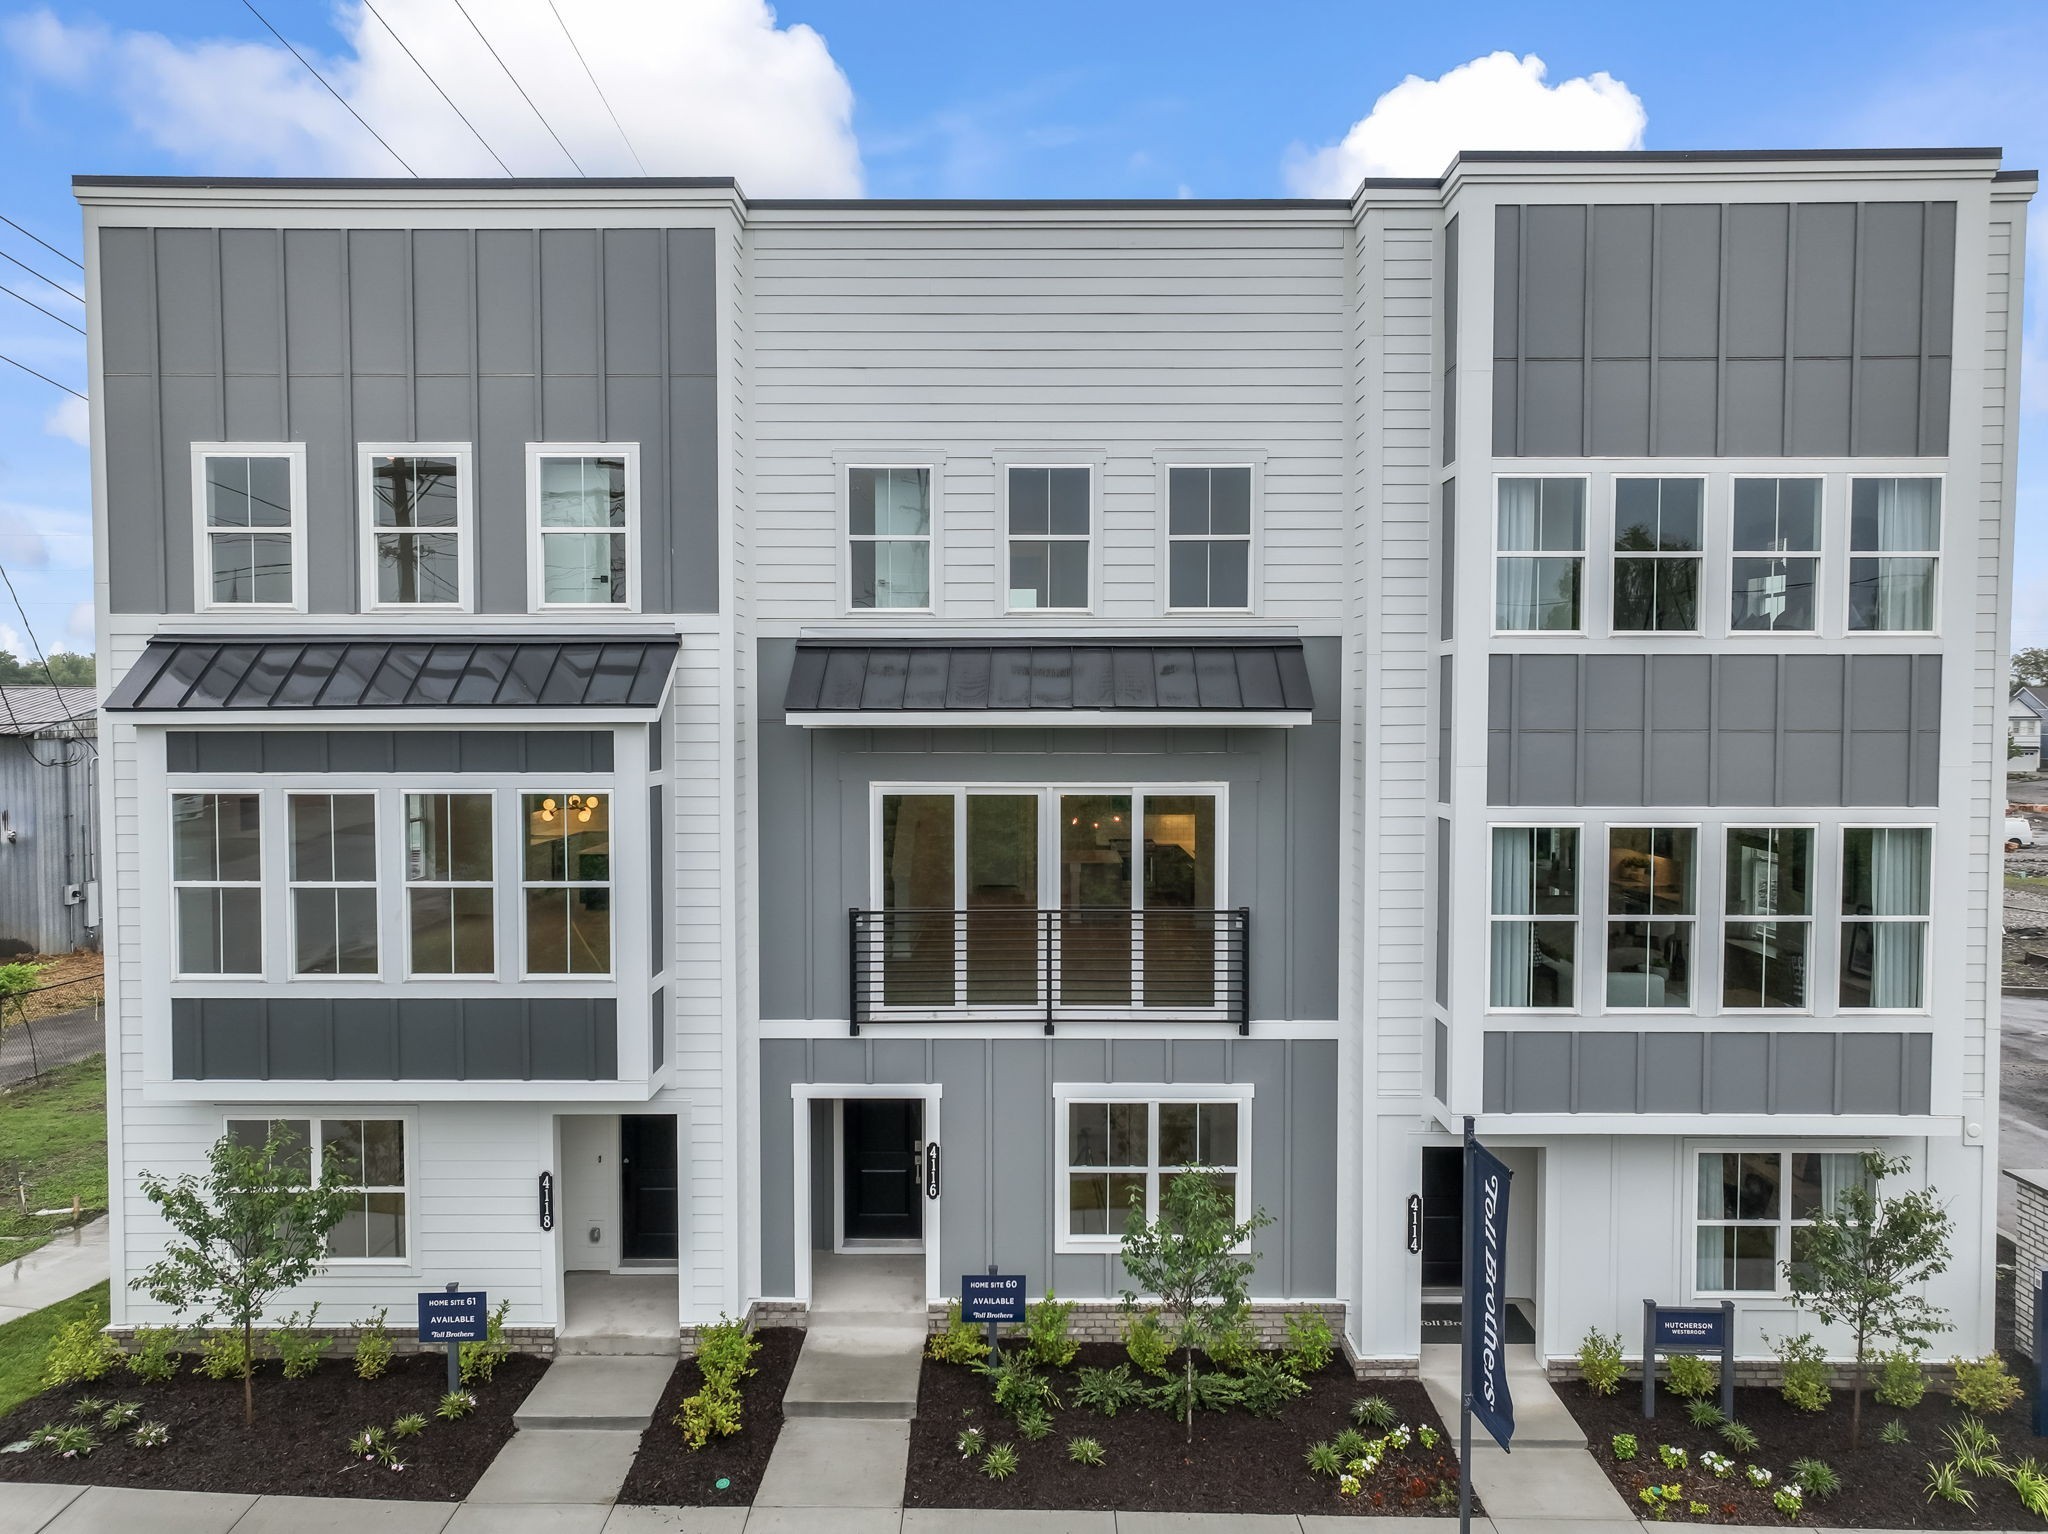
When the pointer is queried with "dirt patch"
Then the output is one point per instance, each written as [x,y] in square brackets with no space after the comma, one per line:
[299,1444]
[1237,1463]
[68,981]
[666,1473]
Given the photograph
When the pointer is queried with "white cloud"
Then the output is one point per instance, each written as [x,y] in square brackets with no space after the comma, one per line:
[705,87]
[79,634]
[71,420]
[1495,102]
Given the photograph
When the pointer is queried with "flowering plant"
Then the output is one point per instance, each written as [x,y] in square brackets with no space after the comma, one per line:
[1720,1465]
[1787,1500]
[1671,1456]
[1757,1475]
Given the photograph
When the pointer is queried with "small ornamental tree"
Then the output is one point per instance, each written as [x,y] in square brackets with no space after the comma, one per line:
[1196,1259]
[252,1227]
[1860,1263]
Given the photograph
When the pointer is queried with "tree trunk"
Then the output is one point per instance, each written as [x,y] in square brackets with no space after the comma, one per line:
[1191,1395]
[1856,1395]
[248,1373]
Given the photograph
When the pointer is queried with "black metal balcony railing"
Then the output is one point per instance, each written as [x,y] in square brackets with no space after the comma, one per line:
[1066,966]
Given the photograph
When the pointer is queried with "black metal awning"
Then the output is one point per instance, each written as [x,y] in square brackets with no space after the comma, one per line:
[325,673]
[859,681]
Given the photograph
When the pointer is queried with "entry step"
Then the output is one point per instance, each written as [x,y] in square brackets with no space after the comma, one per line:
[856,1371]
[595,1394]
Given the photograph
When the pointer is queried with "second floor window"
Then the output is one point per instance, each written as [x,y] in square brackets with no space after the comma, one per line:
[1051,518]
[1209,537]
[334,884]
[583,528]
[418,522]
[1540,538]
[1657,543]
[1535,927]
[451,910]
[889,537]
[1775,568]
[1894,554]
[1651,916]
[1886,889]
[249,529]
[567,883]
[1764,945]
[217,883]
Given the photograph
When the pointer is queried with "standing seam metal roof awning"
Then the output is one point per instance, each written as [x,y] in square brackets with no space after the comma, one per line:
[870,682]
[282,673]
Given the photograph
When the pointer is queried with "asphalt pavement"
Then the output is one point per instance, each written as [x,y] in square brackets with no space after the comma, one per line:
[2023,1095]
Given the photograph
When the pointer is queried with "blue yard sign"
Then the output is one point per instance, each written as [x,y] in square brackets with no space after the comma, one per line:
[453,1315]
[995,1297]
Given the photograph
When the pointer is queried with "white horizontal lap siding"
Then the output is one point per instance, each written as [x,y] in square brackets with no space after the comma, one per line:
[1114,344]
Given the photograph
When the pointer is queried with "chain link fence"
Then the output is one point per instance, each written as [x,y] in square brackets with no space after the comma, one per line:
[29,1049]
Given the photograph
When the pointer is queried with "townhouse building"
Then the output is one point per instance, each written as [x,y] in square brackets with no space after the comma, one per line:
[685,736]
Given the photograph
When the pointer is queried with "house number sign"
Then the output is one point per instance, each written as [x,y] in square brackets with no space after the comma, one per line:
[547,1201]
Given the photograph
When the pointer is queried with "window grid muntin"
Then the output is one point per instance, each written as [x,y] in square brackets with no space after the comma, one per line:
[624,563]
[1778,550]
[532,801]
[375,460]
[297,883]
[1012,538]
[1533,919]
[209,534]
[420,884]
[1575,557]
[317,1142]
[180,884]
[1784,1224]
[1239,544]
[1239,1101]
[1655,558]
[1685,919]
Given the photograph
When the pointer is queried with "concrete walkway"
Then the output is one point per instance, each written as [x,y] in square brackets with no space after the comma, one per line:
[69,1265]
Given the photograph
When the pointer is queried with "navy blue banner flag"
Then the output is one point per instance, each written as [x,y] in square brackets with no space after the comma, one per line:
[1486,1299]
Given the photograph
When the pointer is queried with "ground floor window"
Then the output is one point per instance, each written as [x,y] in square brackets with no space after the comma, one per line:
[370,1157]
[1120,1151]
[1750,1207]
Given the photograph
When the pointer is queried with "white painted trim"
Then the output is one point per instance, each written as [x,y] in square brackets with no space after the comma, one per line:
[1697,919]
[1152,1094]
[1038,719]
[202,562]
[979,1027]
[932,467]
[1850,553]
[406,1117]
[465,525]
[1497,554]
[536,577]
[1615,554]
[1578,917]
[840,1244]
[802,1093]
[1725,623]
[1093,465]
[595,718]
[1253,463]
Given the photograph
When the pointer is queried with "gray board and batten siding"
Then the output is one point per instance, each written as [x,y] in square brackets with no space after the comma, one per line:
[407,751]
[1283,786]
[334,337]
[998,1153]
[1748,329]
[403,1038]
[1734,730]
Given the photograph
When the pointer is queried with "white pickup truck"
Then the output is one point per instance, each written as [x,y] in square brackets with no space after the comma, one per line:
[2019,832]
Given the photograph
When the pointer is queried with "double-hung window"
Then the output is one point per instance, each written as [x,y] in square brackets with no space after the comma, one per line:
[1657,542]
[1533,947]
[1209,537]
[1124,1152]
[585,524]
[1050,537]
[1651,916]
[248,505]
[567,883]
[1539,563]
[1749,1208]
[1886,889]
[889,537]
[1775,567]
[451,910]
[366,1158]
[1768,934]
[1894,554]
[419,519]
[333,883]
[217,883]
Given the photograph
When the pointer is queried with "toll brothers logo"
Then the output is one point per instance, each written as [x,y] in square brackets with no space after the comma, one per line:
[1486,1303]
[1491,1383]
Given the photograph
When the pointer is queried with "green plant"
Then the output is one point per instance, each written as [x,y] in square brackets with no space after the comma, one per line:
[1698,1509]
[1816,1477]
[1000,1463]
[1671,1456]
[88,1406]
[1350,1444]
[1984,1385]
[373,1348]
[1429,1437]
[1323,1459]
[223,1356]
[455,1405]
[1720,1466]
[1016,1384]
[120,1414]
[157,1352]
[1045,1332]
[1146,1343]
[972,1441]
[366,1444]
[1945,1484]
[1625,1446]
[411,1425]
[1033,1423]
[298,1345]
[1181,1396]
[150,1435]
[706,1415]
[1374,1412]
[1660,1499]
[1756,1475]
[1084,1451]
[725,1353]
[478,1361]
[1802,1372]
[1704,1414]
[1600,1364]
[957,1342]
[1234,1345]
[18,979]
[1788,1500]
[1974,1447]
[81,1351]
[1864,1262]
[1107,1391]
[1739,1436]
[1267,1385]
[1310,1346]
[2030,1484]
[71,1441]
[1894,1431]
[1689,1376]
[1197,1259]
[250,1228]
[1901,1382]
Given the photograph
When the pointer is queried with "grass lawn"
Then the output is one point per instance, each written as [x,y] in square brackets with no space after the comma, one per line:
[53,1143]
[24,1344]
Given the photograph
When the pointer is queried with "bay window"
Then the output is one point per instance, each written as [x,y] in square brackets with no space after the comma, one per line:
[1651,916]
[366,1157]
[1540,555]
[1748,1210]
[1123,1151]
[217,883]
[1894,554]
[1533,938]
[1765,942]
[333,877]
[1886,889]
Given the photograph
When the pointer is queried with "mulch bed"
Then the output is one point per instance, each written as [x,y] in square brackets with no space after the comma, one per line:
[666,1473]
[1237,1463]
[299,1443]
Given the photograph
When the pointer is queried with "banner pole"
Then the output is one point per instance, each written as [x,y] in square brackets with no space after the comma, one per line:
[1467,1327]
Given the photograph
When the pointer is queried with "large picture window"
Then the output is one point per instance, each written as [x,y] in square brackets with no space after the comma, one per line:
[1894,554]
[1533,951]
[585,513]
[1749,1209]
[567,883]
[1775,569]
[217,882]
[1209,537]
[248,507]
[418,527]
[1124,1152]
[1539,565]
[1658,530]
[1651,916]
[1768,934]
[333,883]
[367,1156]
[1049,548]
[889,537]
[1886,888]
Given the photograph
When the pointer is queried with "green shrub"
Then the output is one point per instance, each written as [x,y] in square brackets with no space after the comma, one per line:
[478,1361]
[1689,1376]
[18,979]
[707,1414]
[71,1441]
[1323,1459]
[1600,1364]
[1234,1345]
[1000,1463]
[1107,1391]
[1974,1447]
[1045,1328]
[1802,1372]
[1740,1437]
[958,1342]
[1033,1423]
[1146,1342]
[373,1348]
[724,1354]
[1984,1385]
[1267,1385]
[2030,1484]
[1310,1347]
[1901,1382]
[1814,1477]
[1945,1484]
[971,1442]
[1350,1444]
[1016,1385]
[119,1415]
[222,1355]
[1374,1412]
[1894,1431]
[157,1352]
[1702,1413]
[411,1425]
[1084,1451]
[81,1351]
[1625,1446]
[298,1346]
[455,1405]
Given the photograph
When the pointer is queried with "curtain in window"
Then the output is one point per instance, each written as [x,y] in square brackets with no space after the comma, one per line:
[1838,1173]
[1518,595]
[1898,887]
[1906,515]
[1711,1264]
[1513,895]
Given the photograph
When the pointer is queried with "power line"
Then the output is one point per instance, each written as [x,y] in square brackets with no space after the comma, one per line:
[37,645]
[479,31]
[601,96]
[53,250]
[337,95]
[44,376]
[39,308]
[437,86]
[39,277]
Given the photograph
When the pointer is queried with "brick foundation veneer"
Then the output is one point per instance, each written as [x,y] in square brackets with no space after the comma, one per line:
[2030,1252]
[1763,1372]
[537,1341]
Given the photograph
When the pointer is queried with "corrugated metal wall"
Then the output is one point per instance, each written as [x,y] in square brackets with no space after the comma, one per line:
[48,790]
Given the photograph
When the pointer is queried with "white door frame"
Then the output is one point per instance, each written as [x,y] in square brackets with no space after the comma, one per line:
[901,1246]
[803,1093]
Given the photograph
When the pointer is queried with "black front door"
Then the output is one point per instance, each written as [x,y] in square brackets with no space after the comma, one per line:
[648,1228]
[1443,1216]
[883,1184]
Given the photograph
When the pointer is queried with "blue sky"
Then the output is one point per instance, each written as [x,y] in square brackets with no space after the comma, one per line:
[923,98]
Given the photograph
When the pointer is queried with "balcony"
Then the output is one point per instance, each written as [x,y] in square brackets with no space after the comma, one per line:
[1078,965]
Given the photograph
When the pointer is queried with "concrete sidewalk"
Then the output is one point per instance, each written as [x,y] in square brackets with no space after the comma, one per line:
[72,1263]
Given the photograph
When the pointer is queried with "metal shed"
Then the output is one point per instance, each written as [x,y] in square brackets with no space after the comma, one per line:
[49,789]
